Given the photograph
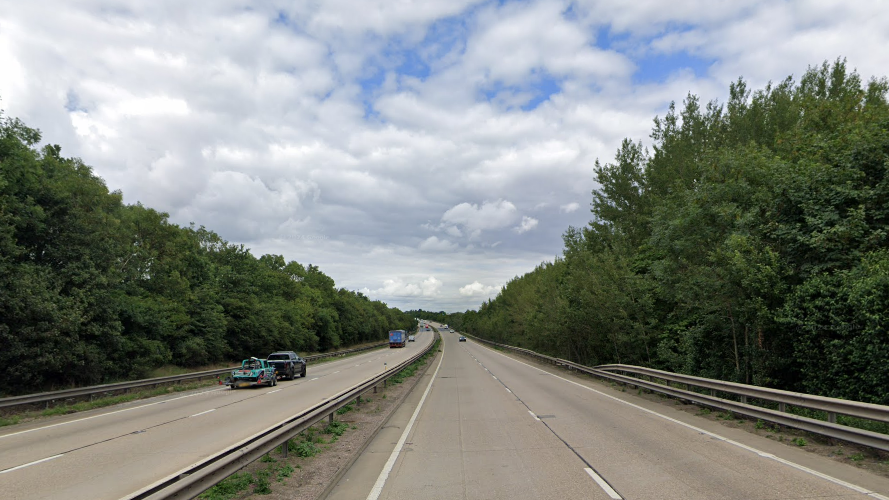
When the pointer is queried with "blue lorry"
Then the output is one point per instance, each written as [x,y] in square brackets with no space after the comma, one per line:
[397,338]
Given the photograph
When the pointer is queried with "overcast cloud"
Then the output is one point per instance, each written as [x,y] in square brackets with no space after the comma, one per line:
[424,152]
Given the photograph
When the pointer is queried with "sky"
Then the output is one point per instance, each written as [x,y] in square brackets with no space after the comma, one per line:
[421,152]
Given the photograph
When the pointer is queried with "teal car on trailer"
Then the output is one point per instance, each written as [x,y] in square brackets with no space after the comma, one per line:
[253,371]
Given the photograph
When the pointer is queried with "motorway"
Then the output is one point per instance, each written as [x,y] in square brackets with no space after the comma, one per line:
[482,425]
[114,452]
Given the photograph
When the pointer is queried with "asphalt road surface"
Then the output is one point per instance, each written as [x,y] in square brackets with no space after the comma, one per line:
[116,451]
[493,427]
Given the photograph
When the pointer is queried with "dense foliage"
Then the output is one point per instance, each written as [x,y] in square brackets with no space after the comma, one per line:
[92,290]
[749,245]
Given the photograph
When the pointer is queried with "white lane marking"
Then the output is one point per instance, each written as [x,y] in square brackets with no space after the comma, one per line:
[533,415]
[602,484]
[109,413]
[712,434]
[30,464]
[334,373]
[384,474]
[495,378]
[311,379]
[507,390]
[272,392]
[202,413]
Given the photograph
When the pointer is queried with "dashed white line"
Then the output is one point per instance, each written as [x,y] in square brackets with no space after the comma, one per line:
[106,414]
[272,392]
[602,484]
[334,373]
[311,379]
[761,453]
[30,464]
[507,390]
[533,415]
[202,413]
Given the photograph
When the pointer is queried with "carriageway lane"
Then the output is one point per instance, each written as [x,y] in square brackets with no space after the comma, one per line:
[472,439]
[113,452]
[645,456]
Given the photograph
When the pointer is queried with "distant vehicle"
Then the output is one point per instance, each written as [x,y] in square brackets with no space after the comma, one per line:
[253,371]
[397,338]
[461,339]
[444,326]
[411,339]
[287,364]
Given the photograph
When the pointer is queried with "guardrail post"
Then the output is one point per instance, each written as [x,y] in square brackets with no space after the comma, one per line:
[358,400]
[713,392]
[330,418]
[285,448]
[831,417]
[782,407]
[375,389]
[744,399]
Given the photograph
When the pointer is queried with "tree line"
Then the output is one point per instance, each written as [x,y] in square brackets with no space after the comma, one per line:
[93,290]
[748,244]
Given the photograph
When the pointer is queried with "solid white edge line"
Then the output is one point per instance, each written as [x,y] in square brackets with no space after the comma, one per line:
[384,474]
[533,415]
[238,444]
[602,484]
[712,434]
[202,413]
[507,390]
[106,414]
[30,464]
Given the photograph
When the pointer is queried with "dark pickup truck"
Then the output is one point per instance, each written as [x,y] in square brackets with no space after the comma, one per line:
[287,364]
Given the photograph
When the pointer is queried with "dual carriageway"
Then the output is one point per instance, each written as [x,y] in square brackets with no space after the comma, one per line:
[479,425]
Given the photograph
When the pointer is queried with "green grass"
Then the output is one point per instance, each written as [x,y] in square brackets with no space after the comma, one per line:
[336,428]
[799,441]
[411,369]
[307,449]
[229,487]
[856,457]
[345,409]
[107,401]
[285,470]
[4,421]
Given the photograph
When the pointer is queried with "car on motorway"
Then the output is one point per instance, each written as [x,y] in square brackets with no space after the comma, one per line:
[461,339]
[253,371]
[287,364]
[411,339]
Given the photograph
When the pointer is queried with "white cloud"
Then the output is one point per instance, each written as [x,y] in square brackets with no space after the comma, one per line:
[490,215]
[433,244]
[406,141]
[528,223]
[569,207]
[476,289]
[396,287]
